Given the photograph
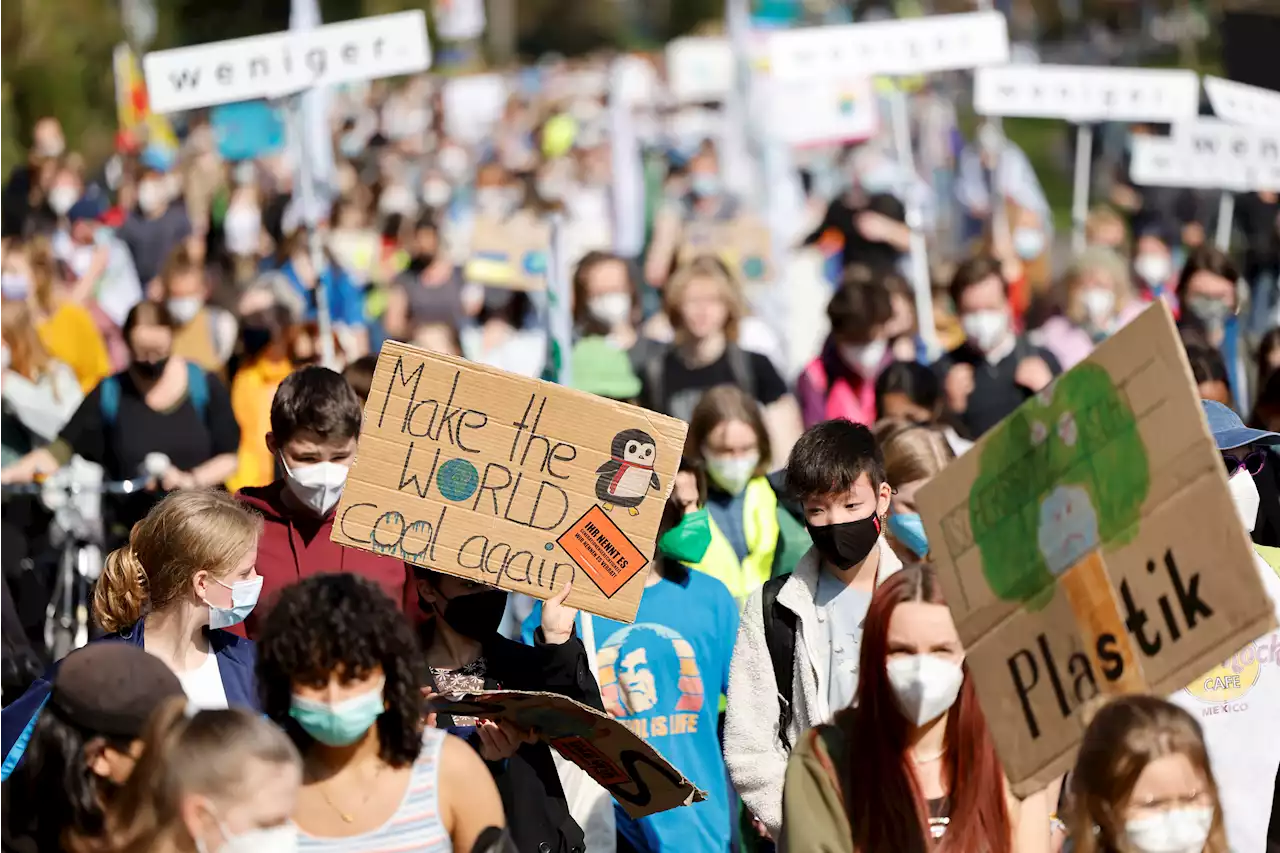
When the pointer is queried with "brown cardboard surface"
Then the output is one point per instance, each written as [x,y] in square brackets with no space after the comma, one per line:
[511,253]
[637,776]
[509,481]
[744,244]
[1088,546]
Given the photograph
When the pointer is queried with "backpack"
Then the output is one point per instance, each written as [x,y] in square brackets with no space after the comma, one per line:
[780,625]
[197,392]
[739,366]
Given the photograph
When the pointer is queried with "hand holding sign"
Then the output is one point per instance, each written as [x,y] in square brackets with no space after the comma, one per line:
[557,617]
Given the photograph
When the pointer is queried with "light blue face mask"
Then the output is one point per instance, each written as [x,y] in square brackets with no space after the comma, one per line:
[881,179]
[908,528]
[342,724]
[705,185]
[1028,243]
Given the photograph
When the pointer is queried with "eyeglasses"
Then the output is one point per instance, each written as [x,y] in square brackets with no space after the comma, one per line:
[1252,463]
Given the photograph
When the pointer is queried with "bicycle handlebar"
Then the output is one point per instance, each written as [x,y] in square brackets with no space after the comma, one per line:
[107,487]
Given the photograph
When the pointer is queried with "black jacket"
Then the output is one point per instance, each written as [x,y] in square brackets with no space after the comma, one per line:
[537,810]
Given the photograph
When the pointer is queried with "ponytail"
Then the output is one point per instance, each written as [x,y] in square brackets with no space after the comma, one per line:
[121,593]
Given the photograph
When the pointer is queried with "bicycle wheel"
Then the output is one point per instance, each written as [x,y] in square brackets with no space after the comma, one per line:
[59,626]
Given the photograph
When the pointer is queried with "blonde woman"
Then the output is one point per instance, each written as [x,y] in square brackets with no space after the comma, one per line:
[40,392]
[706,307]
[913,455]
[217,781]
[1142,783]
[1099,300]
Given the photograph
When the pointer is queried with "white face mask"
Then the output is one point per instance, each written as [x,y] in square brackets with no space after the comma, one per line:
[152,195]
[864,358]
[397,199]
[985,329]
[1153,269]
[242,228]
[925,686]
[276,839]
[610,308]
[1028,243]
[1098,303]
[732,473]
[436,193]
[62,197]
[184,309]
[1244,492]
[318,486]
[244,596]
[1172,831]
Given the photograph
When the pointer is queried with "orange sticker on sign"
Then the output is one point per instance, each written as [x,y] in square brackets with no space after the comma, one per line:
[596,763]
[602,550]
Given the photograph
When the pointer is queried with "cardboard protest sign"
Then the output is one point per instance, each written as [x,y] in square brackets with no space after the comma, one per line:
[1184,160]
[513,253]
[1084,94]
[637,776]
[513,482]
[1089,546]
[743,243]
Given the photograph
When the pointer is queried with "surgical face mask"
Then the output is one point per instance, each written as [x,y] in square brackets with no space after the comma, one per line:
[244,596]
[242,229]
[879,179]
[436,193]
[15,286]
[985,329]
[1153,269]
[244,174]
[62,197]
[610,308]
[275,839]
[1173,831]
[1028,243]
[152,195]
[52,148]
[318,486]
[396,199]
[184,308]
[864,358]
[342,724]
[1098,303]
[689,540]
[732,473]
[453,162]
[1244,494]
[908,528]
[705,185]
[924,686]
[495,201]
[1212,312]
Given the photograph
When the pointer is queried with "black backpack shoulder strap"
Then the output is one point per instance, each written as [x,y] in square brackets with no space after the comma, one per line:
[780,626]
[654,370]
[740,366]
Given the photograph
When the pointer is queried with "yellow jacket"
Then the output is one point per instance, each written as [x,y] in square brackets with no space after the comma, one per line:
[70,335]
[252,391]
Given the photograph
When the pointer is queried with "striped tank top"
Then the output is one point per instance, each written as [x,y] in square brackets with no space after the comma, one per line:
[415,827]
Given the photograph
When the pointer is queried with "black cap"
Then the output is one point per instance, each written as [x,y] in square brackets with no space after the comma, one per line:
[111,688]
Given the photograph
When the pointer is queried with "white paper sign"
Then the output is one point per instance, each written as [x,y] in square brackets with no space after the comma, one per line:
[282,63]
[473,105]
[1243,104]
[1176,162]
[901,47]
[1081,93]
[700,69]
[822,111]
[459,20]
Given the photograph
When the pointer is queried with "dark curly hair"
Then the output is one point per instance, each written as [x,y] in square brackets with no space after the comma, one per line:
[340,622]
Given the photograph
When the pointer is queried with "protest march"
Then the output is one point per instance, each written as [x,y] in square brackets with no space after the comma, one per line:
[759,427]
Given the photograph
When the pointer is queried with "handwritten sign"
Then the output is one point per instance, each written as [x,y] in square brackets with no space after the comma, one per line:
[1089,546]
[743,244]
[513,253]
[513,482]
[637,776]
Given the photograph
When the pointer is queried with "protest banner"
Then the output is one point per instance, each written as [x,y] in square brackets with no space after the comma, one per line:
[1241,103]
[513,482]
[823,112]
[473,105]
[700,69]
[637,776]
[513,253]
[742,243]
[1088,546]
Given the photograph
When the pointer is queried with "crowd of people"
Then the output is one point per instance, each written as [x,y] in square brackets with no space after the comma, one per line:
[254,686]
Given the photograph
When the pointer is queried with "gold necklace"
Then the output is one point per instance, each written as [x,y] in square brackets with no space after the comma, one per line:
[370,788]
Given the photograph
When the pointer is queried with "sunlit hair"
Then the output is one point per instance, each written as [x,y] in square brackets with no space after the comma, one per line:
[27,355]
[705,268]
[205,754]
[37,252]
[912,452]
[1124,737]
[185,533]
[1097,261]
[719,405]
[886,808]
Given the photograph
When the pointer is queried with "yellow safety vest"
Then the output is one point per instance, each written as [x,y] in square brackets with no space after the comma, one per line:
[760,524]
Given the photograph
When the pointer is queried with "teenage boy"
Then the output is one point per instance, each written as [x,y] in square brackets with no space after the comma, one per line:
[315,419]
[803,631]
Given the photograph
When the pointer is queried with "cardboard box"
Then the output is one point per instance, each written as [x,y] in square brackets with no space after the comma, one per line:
[514,253]
[1089,546]
[637,776]
[513,482]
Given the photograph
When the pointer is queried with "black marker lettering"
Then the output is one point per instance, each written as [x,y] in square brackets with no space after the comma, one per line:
[1136,622]
[398,371]
[1043,642]
[1193,606]
[1023,687]
[342,522]
[1112,661]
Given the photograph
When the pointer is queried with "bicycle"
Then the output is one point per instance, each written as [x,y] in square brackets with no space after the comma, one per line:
[73,494]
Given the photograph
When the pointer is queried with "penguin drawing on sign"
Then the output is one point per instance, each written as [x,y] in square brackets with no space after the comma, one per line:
[628,475]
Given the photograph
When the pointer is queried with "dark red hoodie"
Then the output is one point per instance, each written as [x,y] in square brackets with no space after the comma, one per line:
[295,545]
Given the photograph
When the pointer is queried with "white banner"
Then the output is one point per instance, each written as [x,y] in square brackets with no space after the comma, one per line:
[1085,94]
[700,69]
[459,20]
[1243,104]
[473,105]
[282,63]
[1177,162]
[822,111]
[901,47]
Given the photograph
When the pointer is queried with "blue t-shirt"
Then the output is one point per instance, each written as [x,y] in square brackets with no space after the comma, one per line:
[662,677]
[346,302]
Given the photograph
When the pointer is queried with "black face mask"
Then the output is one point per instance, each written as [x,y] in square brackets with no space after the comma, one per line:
[476,615]
[420,262]
[255,339]
[848,543]
[150,370]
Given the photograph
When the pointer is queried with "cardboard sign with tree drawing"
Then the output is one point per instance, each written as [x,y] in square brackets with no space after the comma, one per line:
[1088,546]
[637,776]
[511,253]
[744,245]
[513,482]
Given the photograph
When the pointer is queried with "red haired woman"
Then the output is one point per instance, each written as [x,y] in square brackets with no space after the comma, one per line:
[911,766]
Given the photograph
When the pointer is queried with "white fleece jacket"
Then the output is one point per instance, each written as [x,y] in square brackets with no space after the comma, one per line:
[753,747]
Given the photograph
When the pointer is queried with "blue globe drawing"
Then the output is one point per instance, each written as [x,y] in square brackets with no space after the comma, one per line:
[457,479]
[753,268]
[535,263]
